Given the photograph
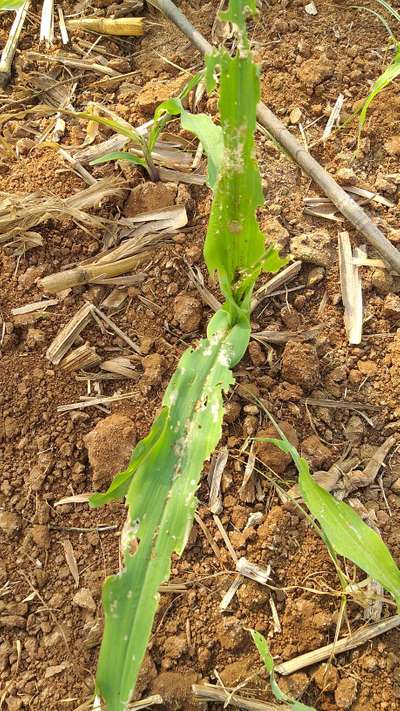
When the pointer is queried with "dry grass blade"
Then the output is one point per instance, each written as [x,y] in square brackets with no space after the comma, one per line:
[196,278]
[351,288]
[63,29]
[284,276]
[333,118]
[369,195]
[65,338]
[209,692]
[112,144]
[20,213]
[34,306]
[115,300]
[342,645]
[83,357]
[71,560]
[247,491]
[177,176]
[94,401]
[340,404]
[225,538]
[78,168]
[208,536]
[76,499]
[154,700]
[47,22]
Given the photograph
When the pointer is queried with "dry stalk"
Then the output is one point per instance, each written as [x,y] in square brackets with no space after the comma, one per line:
[209,692]
[10,46]
[342,645]
[121,27]
[91,273]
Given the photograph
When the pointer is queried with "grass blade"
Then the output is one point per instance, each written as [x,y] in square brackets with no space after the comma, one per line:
[119,155]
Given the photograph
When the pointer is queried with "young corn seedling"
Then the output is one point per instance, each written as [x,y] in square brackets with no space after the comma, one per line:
[161,479]
[263,650]
[392,71]
[200,125]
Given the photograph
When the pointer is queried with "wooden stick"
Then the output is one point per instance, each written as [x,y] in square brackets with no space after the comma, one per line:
[215,693]
[348,207]
[10,46]
[342,645]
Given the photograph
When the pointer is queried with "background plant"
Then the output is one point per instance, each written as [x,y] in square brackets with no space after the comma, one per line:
[392,71]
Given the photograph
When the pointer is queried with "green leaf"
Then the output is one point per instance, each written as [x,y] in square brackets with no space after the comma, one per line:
[263,650]
[117,126]
[201,125]
[386,78]
[10,4]
[161,500]
[346,532]
[120,484]
[119,155]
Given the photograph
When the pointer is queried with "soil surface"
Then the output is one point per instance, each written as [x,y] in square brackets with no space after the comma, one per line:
[54,557]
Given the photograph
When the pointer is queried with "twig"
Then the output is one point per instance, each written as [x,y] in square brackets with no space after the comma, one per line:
[342,645]
[10,46]
[116,329]
[353,212]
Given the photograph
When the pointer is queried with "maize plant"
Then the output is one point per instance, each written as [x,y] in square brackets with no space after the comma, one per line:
[160,483]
